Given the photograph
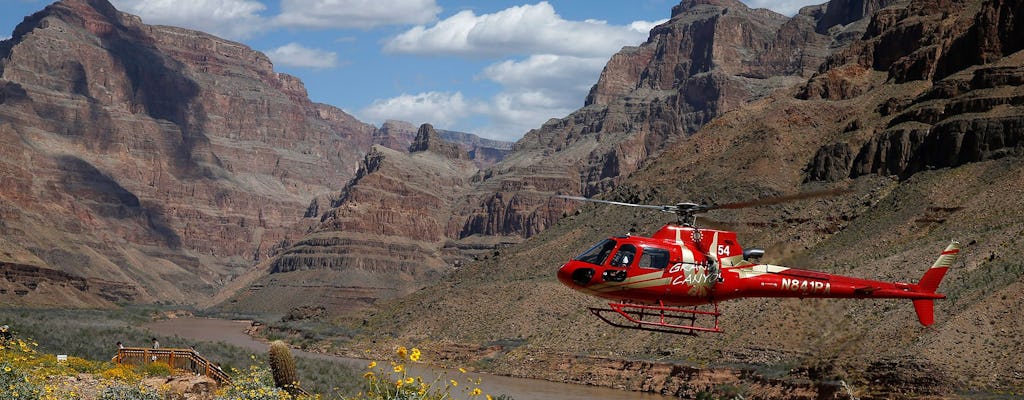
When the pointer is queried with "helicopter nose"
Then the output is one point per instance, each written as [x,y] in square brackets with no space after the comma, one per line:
[565,275]
[572,275]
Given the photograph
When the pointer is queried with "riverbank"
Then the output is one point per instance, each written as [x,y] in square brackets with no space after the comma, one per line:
[655,379]
[517,387]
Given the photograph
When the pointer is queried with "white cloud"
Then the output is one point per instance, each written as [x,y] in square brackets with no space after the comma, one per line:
[233,19]
[436,108]
[355,13]
[511,114]
[548,71]
[520,30]
[784,7]
[563,59]
[645,27]
[295,55]
[537,89]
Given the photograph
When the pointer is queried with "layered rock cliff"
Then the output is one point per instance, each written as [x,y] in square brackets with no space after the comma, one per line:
[159,158]
[968,110]
[711,57]
[384,236]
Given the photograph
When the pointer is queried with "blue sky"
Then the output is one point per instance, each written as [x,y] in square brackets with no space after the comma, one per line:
[496,68]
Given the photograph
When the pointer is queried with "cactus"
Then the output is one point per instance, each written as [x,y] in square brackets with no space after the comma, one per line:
[282,365]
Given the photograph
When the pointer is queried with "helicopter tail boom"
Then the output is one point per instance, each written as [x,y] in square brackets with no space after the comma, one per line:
[925,308]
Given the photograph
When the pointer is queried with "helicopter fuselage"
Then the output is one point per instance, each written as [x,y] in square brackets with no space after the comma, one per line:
[686,266]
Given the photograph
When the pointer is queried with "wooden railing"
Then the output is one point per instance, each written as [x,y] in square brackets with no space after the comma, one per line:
[183,359]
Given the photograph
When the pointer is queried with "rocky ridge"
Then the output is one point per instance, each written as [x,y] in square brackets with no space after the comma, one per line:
[384,236]
[154,157]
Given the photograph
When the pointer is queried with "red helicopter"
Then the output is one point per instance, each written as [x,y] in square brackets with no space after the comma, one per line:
[658,282]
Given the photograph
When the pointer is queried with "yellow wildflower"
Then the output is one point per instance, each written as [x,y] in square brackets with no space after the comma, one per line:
[415,356]
[399,368]
[454,383]
[476,392]
[402,351]
[372,365]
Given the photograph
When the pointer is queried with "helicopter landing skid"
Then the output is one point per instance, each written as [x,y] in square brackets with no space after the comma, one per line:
[659,318]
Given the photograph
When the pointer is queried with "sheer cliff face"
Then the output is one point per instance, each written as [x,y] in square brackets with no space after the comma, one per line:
[161,158]
[710,58]
[960,105]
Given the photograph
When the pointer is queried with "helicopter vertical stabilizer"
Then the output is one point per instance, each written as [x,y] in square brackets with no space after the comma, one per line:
[930,282]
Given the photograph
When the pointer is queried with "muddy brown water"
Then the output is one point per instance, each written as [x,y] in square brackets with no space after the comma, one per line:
[233,332]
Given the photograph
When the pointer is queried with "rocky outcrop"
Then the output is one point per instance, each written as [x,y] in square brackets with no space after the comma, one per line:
[928,40]
[29,285]
[968,115]
[427,139]
[709,58]
[399,135]
[383,237]
[153,156]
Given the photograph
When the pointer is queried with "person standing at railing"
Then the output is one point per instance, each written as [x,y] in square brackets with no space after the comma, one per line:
[156,345]
[194,364]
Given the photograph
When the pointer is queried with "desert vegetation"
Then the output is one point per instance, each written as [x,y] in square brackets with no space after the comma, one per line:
[30,369]
[93,335]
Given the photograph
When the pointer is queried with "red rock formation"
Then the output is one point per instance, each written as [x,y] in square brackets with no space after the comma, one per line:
[157,157]
[970,114]
[710,58]
[382,238]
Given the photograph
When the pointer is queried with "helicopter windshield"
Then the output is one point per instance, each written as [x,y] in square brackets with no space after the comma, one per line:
[597,254]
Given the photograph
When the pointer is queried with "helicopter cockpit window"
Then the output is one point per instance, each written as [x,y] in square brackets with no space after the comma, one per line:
[654,258]
[597,254]
[625,256]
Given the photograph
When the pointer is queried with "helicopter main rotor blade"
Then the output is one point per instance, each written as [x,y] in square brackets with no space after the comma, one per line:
[617,203]
[777,200]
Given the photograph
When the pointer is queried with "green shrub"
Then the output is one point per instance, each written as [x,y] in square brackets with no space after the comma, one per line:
[119,392]
[16,384]
[158,368]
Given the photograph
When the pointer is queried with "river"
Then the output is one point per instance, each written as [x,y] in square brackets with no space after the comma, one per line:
[233,332]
